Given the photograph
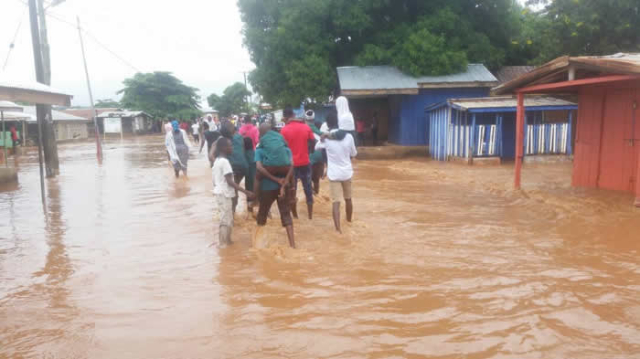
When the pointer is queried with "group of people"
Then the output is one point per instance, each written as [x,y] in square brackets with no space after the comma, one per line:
[272,160]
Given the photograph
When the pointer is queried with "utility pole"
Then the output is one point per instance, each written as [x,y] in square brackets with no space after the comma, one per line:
[40,109]
[52,164]
[93,109]
[246,89]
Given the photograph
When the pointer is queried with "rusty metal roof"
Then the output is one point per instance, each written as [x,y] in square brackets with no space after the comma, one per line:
[508,73]
[584,66]
[390,80]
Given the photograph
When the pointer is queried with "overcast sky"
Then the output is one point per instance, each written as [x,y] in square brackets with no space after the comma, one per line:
[199,41]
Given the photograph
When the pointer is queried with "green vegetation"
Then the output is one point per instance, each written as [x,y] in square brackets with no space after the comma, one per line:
[296,44]
[161,95]
[232,101]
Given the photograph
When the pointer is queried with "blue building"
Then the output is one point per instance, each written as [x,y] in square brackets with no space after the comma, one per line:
[485,127]
[399,99]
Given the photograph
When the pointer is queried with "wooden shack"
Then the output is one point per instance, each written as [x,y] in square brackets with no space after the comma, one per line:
[607,149]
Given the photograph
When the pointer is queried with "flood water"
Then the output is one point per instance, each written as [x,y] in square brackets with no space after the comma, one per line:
[441,261]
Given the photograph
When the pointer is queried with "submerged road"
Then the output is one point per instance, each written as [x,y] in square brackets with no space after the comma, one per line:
[441,261]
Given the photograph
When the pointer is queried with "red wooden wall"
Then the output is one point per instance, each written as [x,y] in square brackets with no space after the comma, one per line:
[607,149]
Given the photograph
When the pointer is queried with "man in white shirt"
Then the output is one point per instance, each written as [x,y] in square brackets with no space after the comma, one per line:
[340,150]
[212,125]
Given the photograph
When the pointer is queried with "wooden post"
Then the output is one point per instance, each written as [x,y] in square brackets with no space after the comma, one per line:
[472,139]
[637,204]
[519,139]
[94,113]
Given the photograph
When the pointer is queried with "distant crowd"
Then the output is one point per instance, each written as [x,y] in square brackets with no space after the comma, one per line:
[272,158]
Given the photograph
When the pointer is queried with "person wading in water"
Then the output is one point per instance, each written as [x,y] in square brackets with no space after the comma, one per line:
[178,145]
[225,189]
[274,188]
[299,137]
[340,150]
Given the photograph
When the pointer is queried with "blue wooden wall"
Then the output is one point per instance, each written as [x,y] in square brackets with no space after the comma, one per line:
[408,122]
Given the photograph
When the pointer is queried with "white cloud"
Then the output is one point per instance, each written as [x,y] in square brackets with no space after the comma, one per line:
[198,40]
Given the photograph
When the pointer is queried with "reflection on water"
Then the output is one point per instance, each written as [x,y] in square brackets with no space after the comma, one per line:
[441,260]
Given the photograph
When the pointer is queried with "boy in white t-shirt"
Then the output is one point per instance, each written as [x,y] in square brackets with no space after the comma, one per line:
[224,188]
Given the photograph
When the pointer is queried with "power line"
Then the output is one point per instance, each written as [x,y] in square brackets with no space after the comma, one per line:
[95,40]
[13,42]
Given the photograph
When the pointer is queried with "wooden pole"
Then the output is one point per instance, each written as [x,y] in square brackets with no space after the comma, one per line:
[93,109]
[519,139]
[37,60]
[50,146]
[4,141]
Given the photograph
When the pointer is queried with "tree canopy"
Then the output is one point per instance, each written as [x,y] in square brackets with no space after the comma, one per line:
[582,27]
[296,44]
[232,101]
[107,103]
[160,94]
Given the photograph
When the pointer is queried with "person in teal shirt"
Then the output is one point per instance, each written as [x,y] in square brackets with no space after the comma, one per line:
[274,188]
[238,158]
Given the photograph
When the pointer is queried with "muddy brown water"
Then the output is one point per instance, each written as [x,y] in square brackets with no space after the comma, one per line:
[441,261]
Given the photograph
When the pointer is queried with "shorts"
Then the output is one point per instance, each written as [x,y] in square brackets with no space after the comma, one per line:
[266,200]
[225,207]
[196,137]
[340,190]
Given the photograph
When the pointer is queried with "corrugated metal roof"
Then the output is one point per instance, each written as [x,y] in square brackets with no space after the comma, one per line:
[509,101]
[10,106]
[57,115]
[354,78]
[20,116]
[585,67]
[508,73]
[503,102]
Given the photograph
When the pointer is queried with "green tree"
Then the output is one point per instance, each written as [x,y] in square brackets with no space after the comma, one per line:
[107,103]
[160,94]
[583,27]
[232,101]
[296,44]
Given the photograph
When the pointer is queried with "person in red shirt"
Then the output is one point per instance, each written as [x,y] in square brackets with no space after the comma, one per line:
[299,137]
[250,130]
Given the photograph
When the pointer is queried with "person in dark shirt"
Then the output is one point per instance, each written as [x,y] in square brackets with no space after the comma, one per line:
[210,137]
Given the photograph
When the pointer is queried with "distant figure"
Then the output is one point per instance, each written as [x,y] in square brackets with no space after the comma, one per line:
[178,144]
[225,189]
[299,136]
[345,118]
[340,171]
[195,131]
[316,158]
[250,130]
[374,128]
[274,188]
[14,136]
[361,128]
[210,138]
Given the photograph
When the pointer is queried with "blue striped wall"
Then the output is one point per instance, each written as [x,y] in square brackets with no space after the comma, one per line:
[462,134]
[409,124]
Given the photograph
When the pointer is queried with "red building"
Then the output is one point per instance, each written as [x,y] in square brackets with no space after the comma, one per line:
[607,142]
